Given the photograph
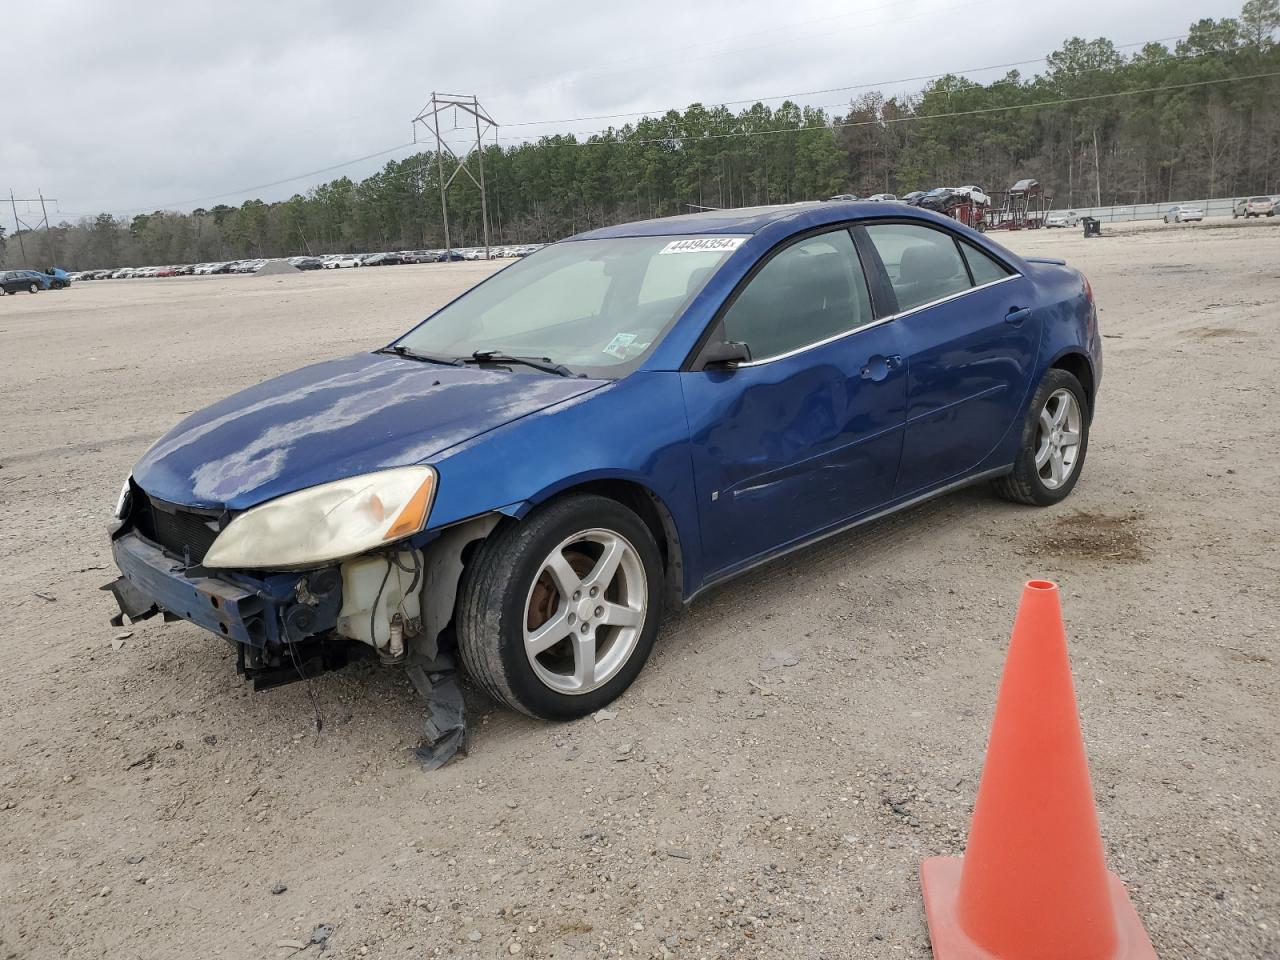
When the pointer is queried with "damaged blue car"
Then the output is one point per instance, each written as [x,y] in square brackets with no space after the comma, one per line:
[603,430]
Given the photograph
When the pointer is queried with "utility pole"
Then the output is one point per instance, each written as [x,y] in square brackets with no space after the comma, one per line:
[429,116]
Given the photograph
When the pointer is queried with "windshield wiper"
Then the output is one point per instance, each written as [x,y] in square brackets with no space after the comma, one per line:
[545,364]
[403,351]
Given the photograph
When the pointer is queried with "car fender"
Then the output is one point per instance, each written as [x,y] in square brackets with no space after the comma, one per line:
[633,430]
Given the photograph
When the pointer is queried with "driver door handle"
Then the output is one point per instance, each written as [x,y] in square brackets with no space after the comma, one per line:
[878,367]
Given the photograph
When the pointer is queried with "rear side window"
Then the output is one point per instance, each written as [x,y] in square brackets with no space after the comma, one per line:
[982,266]
[809,292]
[923,264]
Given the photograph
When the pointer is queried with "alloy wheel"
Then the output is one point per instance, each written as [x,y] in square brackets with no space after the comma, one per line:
[1058,438]
[585,611]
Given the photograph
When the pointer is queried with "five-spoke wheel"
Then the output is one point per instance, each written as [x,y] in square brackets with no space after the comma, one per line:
[585,611]
[1058,438]
[558,611]
[1052,444]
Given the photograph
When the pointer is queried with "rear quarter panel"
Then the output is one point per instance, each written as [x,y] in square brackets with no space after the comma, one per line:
[1070,321]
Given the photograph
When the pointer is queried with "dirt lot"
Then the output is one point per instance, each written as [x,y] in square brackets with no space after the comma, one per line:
[736,806]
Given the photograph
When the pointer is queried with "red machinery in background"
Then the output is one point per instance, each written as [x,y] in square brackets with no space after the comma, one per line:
[1024,207]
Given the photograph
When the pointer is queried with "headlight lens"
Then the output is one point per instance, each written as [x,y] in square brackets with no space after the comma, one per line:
[328,522]
[122,502]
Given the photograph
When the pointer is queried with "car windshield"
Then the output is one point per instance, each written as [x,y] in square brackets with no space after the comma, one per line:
[594,306]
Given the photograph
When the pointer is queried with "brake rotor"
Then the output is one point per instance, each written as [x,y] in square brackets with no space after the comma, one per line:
[545,600]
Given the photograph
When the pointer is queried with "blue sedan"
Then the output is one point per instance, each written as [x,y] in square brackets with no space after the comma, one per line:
[602,431]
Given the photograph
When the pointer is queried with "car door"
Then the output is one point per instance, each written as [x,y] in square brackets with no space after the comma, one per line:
[807,433]
[969,333]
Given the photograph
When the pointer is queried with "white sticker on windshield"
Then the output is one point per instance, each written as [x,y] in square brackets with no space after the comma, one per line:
[617,347]
[704,245]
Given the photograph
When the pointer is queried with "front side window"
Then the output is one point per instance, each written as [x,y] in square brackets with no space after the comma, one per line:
[923,264]
[595,306]
[809,292]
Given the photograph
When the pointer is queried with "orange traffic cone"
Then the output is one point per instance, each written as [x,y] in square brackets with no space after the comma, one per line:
[1033,884]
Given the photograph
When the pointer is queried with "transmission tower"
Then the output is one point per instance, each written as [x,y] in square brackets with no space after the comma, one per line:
[429,117]
[19,224]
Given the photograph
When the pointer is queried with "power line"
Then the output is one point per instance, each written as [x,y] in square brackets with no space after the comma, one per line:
[910,118]
[829,126]
[1062,101]
[273,183]
[865,86]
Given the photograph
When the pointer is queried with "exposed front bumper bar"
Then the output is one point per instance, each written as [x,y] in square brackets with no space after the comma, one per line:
[153,582]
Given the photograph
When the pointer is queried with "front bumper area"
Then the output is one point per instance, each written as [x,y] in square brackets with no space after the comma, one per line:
[281,624]
[153,582]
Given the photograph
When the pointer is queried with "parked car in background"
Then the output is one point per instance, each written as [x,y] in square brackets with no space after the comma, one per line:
[1062,218]
[342,261]
[844,196]
[882,197]
[382,260]
[1183,213]
[1254,207]
[307,263]
[974,193]
[59,279]
[18,281]
[784,374]
[43,279]
[941,200]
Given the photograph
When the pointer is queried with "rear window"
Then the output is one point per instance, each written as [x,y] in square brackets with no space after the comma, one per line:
[983,267]
[923,264]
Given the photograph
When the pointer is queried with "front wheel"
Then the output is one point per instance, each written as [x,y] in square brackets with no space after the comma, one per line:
[34,288]
[559,611]
[1055,438]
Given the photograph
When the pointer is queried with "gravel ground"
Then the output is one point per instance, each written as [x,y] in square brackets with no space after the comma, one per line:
[799,741]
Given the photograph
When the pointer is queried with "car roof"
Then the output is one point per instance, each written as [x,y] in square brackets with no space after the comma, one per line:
[749,220]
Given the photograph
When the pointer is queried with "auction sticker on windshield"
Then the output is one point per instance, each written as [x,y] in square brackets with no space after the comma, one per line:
[703,245]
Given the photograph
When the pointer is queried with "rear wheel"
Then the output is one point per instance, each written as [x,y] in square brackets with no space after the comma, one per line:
[34,288]
[559,611]
[1055,438]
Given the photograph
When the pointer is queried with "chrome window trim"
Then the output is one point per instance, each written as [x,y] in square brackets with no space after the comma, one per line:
[875,323]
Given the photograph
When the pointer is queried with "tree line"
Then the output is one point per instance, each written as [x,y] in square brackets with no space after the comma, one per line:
[1097,126]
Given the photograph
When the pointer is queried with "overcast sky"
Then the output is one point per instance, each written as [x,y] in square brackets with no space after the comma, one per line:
[132,106]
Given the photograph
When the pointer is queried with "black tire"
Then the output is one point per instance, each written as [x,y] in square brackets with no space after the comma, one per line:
[1024,484]
[492,605]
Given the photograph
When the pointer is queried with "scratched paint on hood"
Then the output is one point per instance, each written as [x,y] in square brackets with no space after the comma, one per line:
[333,420]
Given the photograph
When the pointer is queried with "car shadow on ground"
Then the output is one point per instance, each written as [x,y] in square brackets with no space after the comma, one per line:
[755,595]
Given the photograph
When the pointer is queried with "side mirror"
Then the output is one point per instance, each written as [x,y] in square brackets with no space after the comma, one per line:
[725,354]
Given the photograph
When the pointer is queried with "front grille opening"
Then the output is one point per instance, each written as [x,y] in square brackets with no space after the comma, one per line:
[183,533]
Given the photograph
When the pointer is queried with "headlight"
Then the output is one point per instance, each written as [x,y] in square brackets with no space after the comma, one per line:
[122,502]
[328,522]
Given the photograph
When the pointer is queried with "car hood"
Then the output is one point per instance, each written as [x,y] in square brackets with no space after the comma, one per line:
[337,419]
